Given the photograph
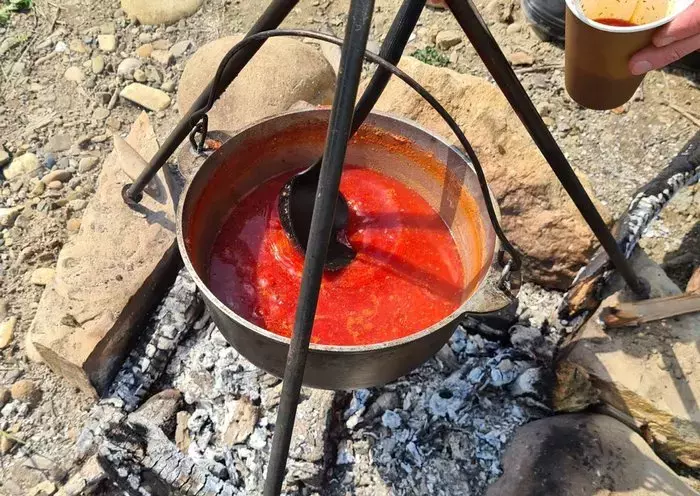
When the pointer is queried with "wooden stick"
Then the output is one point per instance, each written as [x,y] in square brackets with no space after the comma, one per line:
[685,114]
[639,312]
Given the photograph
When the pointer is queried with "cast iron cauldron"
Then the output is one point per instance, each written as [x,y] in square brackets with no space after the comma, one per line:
[395,147]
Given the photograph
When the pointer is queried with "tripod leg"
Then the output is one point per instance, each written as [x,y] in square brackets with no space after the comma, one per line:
[486,46]
[391,51]
[339,129]
[270,19]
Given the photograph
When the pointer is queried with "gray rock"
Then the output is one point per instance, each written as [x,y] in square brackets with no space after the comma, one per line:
[59,143]
[27,164]
[60,175]
[127,67]
[180,48]
[77,205]
[139,76]
[152,74]
[8,215]
[87,164]
[100,114]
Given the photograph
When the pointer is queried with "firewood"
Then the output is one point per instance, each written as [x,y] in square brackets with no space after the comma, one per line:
[142,461]
[631,314]
[694,282]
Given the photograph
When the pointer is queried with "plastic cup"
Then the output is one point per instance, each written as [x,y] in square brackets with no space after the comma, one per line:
[597,54]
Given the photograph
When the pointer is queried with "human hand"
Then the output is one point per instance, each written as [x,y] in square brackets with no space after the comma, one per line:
[672,42]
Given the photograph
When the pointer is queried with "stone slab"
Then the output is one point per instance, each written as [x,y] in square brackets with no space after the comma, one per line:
[108,275]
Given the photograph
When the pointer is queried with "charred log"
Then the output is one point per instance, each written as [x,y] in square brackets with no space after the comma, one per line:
[141,461]
[174,317]
[585,292]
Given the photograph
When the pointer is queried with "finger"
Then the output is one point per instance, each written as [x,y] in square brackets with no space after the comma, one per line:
[687,24]
[652,57]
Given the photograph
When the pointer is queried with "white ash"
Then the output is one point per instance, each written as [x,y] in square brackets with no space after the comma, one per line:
[171,321]
[443,428]
[213,377]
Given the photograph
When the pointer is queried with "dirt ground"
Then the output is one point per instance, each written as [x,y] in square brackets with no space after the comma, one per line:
[619,150]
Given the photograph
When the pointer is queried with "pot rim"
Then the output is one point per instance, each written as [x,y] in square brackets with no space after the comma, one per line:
[209,295]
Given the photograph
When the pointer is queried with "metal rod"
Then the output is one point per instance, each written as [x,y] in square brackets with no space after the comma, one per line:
[273,16]
[391,51]
[339,127]
[486,46]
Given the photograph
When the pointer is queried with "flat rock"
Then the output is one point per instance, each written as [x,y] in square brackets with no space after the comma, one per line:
[46,488]
[448,39]
[650,373]
[521,59]
[43,276]
[147,97]
[160,11]
[583,455]
[182,433]
[163,57]
[282,73]
[60,175]
[180,48]
[107,42]
[74,74]
[58,143]
[7,332]
[108,275]
[536,212]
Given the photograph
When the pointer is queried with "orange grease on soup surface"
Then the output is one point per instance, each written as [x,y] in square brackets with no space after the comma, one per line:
[406,277]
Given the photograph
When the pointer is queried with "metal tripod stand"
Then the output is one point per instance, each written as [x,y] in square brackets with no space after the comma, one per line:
[344,119]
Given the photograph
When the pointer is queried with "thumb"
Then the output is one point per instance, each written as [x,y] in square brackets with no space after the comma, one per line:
[653,57]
